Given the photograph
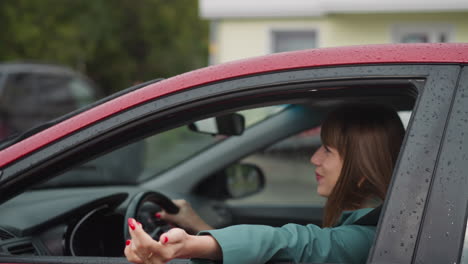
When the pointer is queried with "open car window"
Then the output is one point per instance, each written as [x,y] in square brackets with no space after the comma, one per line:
[149,157]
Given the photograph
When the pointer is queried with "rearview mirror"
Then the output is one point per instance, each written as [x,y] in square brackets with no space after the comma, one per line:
[229,125]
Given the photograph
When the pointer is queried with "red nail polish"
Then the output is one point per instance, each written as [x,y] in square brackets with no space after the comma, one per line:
[158,215]
[127,242]
[166,239]
[131,223]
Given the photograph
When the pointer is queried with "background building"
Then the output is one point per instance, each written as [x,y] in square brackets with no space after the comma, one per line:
[246,28]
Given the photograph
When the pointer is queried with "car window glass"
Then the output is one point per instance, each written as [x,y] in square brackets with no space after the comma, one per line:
[30,99]
[256,115]
[149,157]
[464,257]
[144,159]
[19,102]
[405,117]
[289,175]
[55,90]
[82,92]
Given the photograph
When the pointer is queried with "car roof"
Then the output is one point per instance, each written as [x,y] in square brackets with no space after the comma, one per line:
[440,53]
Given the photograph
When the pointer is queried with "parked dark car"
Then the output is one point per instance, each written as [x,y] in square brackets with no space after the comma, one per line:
[60,204]
[33,93]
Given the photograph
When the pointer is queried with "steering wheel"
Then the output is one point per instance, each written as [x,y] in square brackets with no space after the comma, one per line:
[154,227]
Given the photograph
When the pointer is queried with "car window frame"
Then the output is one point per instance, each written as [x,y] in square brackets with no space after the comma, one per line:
[399,228]
[445,215]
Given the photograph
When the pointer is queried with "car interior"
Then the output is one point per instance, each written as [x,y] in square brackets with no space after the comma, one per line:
[240,159]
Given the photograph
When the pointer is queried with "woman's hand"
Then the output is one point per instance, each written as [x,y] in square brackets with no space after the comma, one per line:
[176,243]
[186,218]
[143,249]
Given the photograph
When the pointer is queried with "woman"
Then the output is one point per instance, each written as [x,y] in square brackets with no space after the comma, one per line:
[353,169]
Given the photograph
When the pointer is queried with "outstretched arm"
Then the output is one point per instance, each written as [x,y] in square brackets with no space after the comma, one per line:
[176,243]
[251,244]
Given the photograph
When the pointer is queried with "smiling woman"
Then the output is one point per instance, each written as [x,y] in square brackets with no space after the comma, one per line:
[328,163]
[361,146]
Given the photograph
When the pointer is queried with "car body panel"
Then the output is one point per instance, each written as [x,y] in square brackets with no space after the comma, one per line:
[445,214]
[403,211]
[376,54]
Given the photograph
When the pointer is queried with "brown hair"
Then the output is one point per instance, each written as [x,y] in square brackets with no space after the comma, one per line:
[368,139]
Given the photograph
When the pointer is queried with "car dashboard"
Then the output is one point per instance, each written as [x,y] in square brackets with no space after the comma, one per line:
[67,222]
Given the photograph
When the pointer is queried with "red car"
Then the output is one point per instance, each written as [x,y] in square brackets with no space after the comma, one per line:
[66,190]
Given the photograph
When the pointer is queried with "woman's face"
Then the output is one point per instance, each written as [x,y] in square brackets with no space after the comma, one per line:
[328,164]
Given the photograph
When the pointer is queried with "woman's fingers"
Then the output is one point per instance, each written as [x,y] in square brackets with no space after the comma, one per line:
[180,202]
[142,249]
[142,245]
[131,256]
[173,236]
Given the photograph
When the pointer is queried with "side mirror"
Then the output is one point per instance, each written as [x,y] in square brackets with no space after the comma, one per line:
[243,180]
[236,181]
[229,125]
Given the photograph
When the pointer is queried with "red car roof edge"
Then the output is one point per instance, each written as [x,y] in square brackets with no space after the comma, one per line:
[322,57]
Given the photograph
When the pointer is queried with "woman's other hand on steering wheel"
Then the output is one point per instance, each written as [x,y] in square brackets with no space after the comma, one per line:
[187,218]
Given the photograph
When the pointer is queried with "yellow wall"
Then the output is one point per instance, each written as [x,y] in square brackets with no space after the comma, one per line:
[242,38]
[376,28]
[247,38]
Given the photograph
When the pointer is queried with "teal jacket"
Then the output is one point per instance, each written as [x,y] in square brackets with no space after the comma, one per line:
[345,243]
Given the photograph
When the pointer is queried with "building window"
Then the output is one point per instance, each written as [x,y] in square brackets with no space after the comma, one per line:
[422,33]
[289,40]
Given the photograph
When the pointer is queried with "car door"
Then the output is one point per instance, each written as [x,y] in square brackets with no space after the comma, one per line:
[358,83]
[439,80]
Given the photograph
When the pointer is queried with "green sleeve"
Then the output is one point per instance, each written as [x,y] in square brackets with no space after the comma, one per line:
[258,244]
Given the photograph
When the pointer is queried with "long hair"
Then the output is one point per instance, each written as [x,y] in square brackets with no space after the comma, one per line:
[368,139]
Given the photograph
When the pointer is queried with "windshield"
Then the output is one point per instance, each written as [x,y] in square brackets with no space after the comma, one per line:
[149,157]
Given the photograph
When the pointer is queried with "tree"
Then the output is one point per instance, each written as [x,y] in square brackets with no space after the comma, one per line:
[115,42]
